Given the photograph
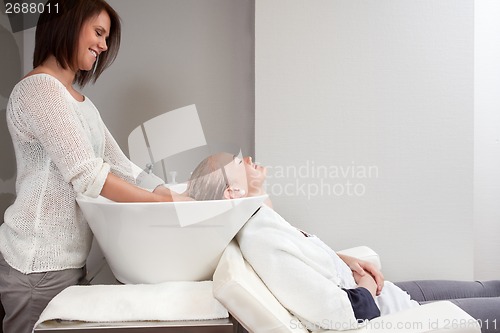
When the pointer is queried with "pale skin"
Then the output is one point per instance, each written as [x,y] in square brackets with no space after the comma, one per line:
[91,43]
[244,175]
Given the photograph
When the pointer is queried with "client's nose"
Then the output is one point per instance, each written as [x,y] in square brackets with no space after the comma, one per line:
[247,159]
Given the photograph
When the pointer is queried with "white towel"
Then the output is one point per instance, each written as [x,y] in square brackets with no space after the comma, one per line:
[153,302]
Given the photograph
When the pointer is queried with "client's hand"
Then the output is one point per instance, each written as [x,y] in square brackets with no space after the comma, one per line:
[366,281]
[362,267]
[374,272]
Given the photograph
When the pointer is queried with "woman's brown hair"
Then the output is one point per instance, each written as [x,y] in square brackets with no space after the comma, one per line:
[58,32]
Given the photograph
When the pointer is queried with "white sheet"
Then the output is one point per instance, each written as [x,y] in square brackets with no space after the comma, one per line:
[155,302]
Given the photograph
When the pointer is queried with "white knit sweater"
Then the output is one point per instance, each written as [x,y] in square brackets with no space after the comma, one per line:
[62,148]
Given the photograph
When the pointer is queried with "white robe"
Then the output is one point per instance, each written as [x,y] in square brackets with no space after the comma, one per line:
[305,275]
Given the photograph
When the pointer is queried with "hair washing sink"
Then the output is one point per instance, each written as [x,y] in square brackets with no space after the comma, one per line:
[171,241]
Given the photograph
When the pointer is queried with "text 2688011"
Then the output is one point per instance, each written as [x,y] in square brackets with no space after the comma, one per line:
[16,7]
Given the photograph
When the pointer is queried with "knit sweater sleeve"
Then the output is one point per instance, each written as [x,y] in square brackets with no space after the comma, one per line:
[47,116]
[124,168]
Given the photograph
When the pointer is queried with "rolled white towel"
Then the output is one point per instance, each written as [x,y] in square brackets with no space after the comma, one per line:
[168,301]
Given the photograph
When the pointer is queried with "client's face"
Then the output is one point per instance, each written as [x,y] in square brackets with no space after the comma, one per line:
[256,175]
[244,175]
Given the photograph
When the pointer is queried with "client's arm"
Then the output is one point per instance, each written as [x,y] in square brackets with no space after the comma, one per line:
[363,297]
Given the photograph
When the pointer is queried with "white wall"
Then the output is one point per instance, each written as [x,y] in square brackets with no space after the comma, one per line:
[487,139]
[385,86]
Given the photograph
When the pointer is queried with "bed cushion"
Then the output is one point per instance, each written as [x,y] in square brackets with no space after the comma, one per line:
[246,297]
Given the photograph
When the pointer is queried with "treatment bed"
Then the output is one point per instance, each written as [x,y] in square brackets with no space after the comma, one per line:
[252,307]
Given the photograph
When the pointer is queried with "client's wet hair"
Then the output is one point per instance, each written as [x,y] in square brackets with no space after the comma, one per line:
[208,180]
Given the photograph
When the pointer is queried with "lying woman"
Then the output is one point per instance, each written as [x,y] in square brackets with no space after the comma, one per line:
[323,289]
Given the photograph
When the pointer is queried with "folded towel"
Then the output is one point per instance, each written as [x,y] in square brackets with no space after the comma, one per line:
[166,301]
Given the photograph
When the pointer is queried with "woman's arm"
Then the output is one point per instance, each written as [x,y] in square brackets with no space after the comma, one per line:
[47,116]
[166,192]
[124,168]
[119,190]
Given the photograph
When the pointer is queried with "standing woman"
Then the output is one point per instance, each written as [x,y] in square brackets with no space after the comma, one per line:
[62,149]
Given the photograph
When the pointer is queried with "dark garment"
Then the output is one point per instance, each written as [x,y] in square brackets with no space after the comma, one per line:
[362,303]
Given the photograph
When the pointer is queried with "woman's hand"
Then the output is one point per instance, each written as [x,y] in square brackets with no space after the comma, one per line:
[168,195]
[361,268]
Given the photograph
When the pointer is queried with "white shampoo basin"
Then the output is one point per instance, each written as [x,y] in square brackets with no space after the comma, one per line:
[172,241]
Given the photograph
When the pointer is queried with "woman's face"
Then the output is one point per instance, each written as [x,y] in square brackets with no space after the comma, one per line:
[244,175]
[92,40]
